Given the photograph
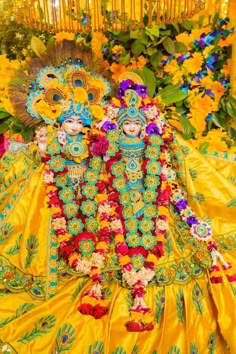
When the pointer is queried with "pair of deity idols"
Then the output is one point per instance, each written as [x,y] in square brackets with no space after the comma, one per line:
[110,190]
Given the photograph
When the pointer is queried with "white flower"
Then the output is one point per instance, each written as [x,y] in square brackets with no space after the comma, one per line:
[162,224]
[84,266]
[59,223]
[151,112]
[97,260]
[48,177]
[116,225]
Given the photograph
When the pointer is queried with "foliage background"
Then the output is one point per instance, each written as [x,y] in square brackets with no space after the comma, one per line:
[186,67]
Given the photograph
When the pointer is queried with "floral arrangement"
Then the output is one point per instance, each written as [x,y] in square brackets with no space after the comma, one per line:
[187,68]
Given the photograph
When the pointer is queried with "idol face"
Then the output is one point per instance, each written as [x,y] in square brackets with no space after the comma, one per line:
[73,125]
[132,127]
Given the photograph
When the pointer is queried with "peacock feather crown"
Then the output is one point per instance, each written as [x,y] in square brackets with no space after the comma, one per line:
[67,87]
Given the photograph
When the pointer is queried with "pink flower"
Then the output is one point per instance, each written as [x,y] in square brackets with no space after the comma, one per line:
[100,146]
[122,248]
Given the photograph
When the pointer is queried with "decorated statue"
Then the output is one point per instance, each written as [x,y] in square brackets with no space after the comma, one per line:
[133,230]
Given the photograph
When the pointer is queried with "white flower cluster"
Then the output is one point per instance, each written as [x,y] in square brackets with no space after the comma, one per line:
[85,265]
[144,275]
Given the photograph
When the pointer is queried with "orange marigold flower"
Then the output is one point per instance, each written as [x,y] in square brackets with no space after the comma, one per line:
[175,123]
[124,260]
[194,64]
[172,67]
[226,70]
[185,38]
[117,70]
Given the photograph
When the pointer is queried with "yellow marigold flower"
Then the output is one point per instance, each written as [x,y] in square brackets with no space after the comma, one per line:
[54,209]
[117,70]
[185,38]
[98,83]
[172,67]
[142,61]
[196,33]
[74,256]
[194,64]
[97,111]
[100,197]
[101,245]
[124,260]
[217,89]
[215,140]
[62,238]
[45,110]
[162,210]
[103,224]
[175,123]
[207,50]
[133,62]
[225,42]
[206,82]
[117,49]
[152,258]
[80,95]
[119,238]
[60,36]
[177,77]
[226,70]
[116,102]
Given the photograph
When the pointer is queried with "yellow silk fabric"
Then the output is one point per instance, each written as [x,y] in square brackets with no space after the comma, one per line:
[191,316]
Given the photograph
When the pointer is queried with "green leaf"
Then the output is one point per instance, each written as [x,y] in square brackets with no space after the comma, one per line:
[187,128]
[151,50]
[153,32]
[28,134]
[138,34]
[187,25]
[230,109]
[50,42]
[219,120]
[5,125]
[137,48]
[232,133]
[172,94]
[169,45]
[203,147]
[232,203]
[125,60]
[4,114]
[179,46]
[149,79]
[38,47]
[155,58]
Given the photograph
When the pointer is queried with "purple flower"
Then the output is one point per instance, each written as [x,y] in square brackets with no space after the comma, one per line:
[183,57]
[191,220]
[142,90]
[152,129]
[108,126]
[209,93]
[182,204]
[126,85]
[210,61]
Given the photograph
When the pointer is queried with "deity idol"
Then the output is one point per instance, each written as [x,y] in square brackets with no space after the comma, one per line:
[147,265]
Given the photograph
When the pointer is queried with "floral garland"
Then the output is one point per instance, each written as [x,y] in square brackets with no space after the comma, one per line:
[74,219]
[139,242]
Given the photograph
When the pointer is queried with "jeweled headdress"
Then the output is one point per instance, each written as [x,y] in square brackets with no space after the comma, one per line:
[64,83]
[132,102]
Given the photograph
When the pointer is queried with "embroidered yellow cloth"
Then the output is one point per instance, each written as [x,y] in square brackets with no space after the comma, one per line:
[40,299]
